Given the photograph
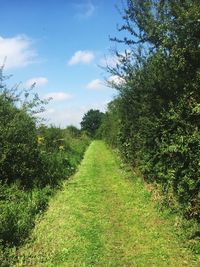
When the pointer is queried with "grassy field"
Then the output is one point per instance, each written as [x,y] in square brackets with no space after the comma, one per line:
[104,218]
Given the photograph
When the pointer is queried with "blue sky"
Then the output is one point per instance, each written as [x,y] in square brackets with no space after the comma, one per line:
[59,44]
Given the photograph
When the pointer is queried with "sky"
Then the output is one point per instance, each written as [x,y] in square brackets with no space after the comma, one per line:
[61,45]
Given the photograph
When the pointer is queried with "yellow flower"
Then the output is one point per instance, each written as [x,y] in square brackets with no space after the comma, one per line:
[61,147]
[40,139]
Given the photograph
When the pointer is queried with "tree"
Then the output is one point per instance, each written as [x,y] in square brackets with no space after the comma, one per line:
[110,125]
[91,121]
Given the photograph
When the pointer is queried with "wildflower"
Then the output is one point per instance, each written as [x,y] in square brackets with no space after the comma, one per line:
[40,139]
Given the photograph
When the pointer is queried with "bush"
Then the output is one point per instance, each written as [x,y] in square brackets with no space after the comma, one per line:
[20,157]
[158,103]
[33,162]
[18,211]
[61,152]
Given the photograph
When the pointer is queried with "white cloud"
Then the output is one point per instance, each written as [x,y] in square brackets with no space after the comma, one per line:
[63,116]
[85,10]
[81,56]
[17,50]
[95,85]
[58,96]
[48,112]
[115,80]
[71,115]
[38,81]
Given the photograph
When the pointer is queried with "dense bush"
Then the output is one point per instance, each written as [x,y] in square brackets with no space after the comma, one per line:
[33,162]
[61,152]
[159,98]
[20,157]
[20,207]
[18,211]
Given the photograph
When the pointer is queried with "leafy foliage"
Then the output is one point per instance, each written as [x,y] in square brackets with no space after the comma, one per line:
[91,121]
[158,103]
[33,162]
[111,120]
[20,157]
[105,206]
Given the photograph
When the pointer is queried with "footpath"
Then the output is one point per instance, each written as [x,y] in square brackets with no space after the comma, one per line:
[103,218]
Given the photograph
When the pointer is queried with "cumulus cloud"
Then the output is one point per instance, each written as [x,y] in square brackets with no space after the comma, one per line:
[81,56]
[17,50]
[115,80]
[63,116]
[58,96]
[70,115]
[38,81]
[48,112]
[95,85]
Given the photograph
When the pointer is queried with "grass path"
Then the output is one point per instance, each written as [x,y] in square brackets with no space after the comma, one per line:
[103,218]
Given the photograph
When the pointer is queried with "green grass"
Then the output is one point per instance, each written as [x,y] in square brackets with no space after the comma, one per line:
[104,218]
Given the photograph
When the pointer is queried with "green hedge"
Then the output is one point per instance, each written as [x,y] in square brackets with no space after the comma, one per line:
[155,118]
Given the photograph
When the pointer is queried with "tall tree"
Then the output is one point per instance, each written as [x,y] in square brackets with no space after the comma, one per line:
[91,121]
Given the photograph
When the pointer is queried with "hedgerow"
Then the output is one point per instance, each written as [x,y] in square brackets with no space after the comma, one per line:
[34,160]
[157,108]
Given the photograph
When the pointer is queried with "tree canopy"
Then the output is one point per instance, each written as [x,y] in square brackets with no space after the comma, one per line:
[91,121]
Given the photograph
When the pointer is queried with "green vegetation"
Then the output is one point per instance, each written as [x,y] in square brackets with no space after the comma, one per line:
[155,119]
[104,217]
[33,162]
[91,122]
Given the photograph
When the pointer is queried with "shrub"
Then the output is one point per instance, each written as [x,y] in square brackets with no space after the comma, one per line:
[20,158]
[18,211]
[158,102]
[33,162]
